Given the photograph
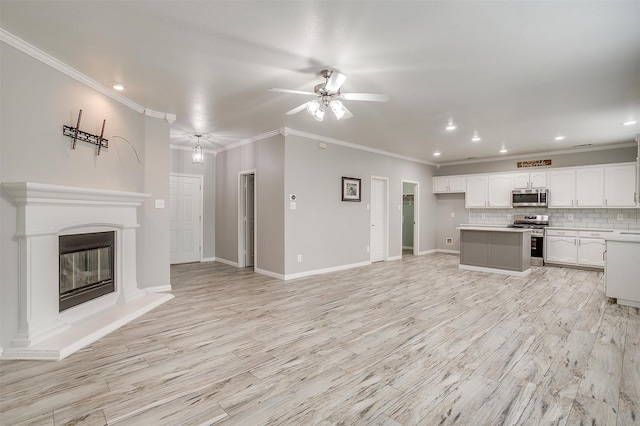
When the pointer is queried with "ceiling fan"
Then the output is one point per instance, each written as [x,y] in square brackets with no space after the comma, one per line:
[328,95]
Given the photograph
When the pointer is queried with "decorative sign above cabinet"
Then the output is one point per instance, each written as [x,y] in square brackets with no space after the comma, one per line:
[536,163]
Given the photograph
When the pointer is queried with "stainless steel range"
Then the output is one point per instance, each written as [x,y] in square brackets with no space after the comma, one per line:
[537,223]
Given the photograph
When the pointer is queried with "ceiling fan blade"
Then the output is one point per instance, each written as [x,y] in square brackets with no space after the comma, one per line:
[297,109]
[371,97]
[347,114]
[335,82]
[295,92]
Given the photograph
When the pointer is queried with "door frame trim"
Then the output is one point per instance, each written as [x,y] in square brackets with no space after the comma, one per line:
[241,228]
[385,221]
[201,212]
[416,214]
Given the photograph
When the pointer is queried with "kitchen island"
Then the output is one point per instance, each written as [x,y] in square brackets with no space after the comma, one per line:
[495,249]
[622,268]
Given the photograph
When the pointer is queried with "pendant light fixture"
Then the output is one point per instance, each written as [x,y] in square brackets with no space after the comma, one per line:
[198,155]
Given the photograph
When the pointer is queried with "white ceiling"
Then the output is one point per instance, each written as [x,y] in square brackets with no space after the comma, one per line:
[518,73]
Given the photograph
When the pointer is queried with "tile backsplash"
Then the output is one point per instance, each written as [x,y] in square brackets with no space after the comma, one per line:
[582,218]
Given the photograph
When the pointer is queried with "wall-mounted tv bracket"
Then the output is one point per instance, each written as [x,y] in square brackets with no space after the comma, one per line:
[76,134]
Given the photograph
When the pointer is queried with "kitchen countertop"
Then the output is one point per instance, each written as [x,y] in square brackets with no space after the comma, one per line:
[492,228]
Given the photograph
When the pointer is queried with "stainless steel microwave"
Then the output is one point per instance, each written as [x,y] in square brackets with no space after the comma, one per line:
[529,197]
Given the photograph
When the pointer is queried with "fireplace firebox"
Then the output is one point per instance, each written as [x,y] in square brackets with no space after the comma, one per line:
[86,267]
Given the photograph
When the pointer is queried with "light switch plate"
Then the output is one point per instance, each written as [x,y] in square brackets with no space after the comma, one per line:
[159,204]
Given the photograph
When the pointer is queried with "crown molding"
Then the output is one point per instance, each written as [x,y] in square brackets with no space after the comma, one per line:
[45,58]
[257,138]
[186,148]
[288,131]
[560,152]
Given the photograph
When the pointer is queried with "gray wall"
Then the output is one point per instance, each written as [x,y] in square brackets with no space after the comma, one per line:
[446,205]
[182,162]
[618,155]
[153,238]
[36,101]
[328,232]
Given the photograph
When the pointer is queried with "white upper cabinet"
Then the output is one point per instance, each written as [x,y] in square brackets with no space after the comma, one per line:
[476,195]
[499,191]
[445,184]
[620,186]
[590,187]
[562,184]
[532,180]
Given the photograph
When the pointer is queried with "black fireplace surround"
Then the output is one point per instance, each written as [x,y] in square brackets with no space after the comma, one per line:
[87,267]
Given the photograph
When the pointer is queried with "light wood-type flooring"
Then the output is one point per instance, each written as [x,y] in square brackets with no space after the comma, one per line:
[410,342]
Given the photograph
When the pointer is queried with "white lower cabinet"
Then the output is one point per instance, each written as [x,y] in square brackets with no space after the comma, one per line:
[575,247]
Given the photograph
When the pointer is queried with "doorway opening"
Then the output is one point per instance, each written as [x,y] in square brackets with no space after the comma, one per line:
[379,235]
[246,220]
[410,218]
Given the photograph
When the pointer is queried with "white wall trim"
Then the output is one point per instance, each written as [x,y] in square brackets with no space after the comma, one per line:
[446,251]
[535,154]
[325,270]
[186,148]
[422,253]
[252,139]
[269,274]
[288,131]
[45,58]
[227,262]
[208,259]
[157,289]
[390,258]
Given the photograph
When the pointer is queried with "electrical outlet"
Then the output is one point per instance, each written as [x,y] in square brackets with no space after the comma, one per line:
[484,216]
[570,217]
[160,204]
[453,214]
[620,217]
[448,241]
[299,258]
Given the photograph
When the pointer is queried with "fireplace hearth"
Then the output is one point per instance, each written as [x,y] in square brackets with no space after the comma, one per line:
[86,267]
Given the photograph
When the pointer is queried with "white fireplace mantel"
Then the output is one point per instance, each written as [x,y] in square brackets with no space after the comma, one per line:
[45,212]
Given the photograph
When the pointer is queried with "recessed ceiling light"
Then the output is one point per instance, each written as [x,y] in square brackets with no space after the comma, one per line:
[559,138]
[117,86]
[503,151]
[436,153]
[451,126]
[629,123]
[475,138]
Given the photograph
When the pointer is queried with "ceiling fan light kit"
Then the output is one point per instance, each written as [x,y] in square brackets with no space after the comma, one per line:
[328,95]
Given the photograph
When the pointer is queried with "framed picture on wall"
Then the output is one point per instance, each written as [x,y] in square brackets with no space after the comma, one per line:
[351,189]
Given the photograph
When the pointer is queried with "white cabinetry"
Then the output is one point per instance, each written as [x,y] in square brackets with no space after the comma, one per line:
[572,247]
[622,277]
[446,184]
[476,195]
[590,187]
[562,188]
[620,186]
[499,191]
[533,180]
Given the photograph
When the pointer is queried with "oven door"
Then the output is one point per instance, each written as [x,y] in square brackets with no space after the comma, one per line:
[537,244]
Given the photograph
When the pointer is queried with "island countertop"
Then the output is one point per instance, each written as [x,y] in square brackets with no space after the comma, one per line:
[492,228]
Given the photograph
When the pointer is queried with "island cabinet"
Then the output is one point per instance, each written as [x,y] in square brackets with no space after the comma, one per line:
[497,250]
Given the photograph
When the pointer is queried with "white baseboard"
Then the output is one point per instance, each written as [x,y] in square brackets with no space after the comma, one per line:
[325,270]
[391,258]
[157,289]
[208,259]
[227,262]
[422,253]
[448,251]
[269,273]
[495,271]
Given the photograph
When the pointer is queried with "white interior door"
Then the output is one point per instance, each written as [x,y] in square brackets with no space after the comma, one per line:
[378,220]
[185,200]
